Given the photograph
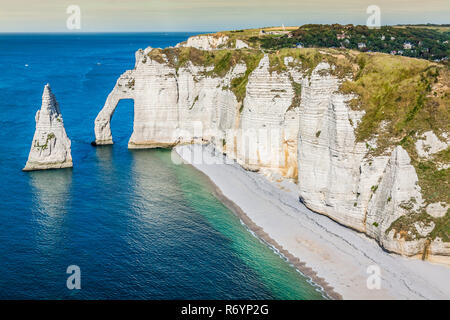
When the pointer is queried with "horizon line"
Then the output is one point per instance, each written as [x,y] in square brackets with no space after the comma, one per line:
[207,31]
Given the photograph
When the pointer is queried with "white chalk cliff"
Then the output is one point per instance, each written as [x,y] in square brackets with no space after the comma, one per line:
[50,148]
[310,140]
[213,42]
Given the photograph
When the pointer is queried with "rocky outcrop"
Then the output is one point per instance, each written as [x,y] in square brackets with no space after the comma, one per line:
[241,44]
[206,42]
[169,103]
[123,90]
[213,42]
[292,123]
[268,127]
[396,186]
[50,148]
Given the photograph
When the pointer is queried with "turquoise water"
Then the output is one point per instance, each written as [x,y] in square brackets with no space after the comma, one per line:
[137,225]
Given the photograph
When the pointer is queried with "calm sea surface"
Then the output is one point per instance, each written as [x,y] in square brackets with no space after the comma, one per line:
[138,226]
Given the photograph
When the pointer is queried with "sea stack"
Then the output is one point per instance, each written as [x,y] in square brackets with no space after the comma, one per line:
[50,148]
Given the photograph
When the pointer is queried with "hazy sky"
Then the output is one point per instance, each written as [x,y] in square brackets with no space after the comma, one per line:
[209,15]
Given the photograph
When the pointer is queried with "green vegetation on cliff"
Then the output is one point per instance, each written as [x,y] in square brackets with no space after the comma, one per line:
[44,146]
[412,41]
[307,59]
[429,42]
[239,85]
[402,98]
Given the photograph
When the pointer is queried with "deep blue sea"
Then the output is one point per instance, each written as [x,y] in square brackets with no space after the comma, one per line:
[137,225]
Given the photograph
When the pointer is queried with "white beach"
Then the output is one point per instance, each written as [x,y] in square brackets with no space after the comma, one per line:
[333,255]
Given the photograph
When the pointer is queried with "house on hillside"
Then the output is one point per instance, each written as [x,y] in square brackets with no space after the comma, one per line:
[407,46]
[361,45]
[341,36]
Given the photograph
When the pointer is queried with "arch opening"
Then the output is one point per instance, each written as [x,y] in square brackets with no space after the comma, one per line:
[122,121]
[123,90]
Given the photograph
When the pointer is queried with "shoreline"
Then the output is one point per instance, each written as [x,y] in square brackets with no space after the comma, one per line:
[262,235]
[334,257]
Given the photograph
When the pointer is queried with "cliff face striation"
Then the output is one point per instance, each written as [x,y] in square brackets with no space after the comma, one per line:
[50,148]
[365,136]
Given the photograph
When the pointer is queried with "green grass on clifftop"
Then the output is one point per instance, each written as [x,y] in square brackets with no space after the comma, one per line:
[222,62]
[407,95]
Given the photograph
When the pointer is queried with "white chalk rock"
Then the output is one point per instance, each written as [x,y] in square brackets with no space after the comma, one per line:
[241,44]
[437,209]
[205,42]
[50,148]
[430,144]
[424,229]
